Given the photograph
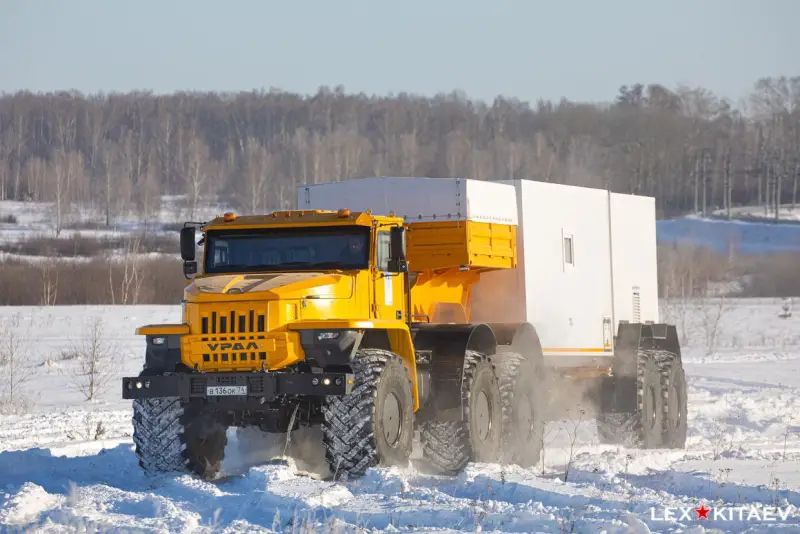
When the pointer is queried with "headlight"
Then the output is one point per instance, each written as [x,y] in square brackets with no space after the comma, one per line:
[159,340]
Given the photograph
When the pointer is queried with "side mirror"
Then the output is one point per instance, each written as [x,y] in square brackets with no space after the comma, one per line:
[187,243]
[397,250]
[397,243]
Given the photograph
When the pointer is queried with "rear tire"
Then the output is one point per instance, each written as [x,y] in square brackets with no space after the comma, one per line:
[483,407]
[660,418]
[172,436]
[448,446]
[523,422]
[374,424]
[445,445]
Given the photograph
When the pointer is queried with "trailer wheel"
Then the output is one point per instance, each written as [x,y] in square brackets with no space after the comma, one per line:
[373,425]
[172,436]
[523,423]
[660,417]
[483,412]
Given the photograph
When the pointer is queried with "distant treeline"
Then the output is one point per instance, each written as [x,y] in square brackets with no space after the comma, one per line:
[119,153]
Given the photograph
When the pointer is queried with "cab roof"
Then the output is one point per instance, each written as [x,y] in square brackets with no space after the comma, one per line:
[297,218]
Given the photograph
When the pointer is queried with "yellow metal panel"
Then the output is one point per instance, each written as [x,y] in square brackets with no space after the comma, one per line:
[275,350]
[401,344]
[162,329]
[446,244]
[338,324]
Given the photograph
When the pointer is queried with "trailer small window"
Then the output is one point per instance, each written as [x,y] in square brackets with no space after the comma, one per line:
[569,252]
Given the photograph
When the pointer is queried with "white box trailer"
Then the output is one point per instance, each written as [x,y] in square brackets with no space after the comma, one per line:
[587,260]
[586,257]
[416,199]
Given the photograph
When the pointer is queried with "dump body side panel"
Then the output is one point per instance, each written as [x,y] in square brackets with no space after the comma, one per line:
[444,244]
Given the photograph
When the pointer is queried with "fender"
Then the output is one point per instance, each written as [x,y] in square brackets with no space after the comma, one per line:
[389,335]
[521,338]
[440,359]
[440,350]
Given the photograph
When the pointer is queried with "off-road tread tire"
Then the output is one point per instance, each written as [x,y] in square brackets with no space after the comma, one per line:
[173,437]
[629,429]
[445,445]
[522,450]
[348,433]
[473,363]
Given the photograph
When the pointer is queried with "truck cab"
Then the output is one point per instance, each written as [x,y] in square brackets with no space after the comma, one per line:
[273,287]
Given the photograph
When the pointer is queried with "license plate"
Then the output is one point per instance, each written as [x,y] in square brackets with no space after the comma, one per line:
[217,391]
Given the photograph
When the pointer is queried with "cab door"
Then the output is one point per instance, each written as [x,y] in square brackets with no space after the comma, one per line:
[389,287]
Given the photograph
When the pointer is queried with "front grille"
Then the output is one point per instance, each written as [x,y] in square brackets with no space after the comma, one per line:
[234,357]
[233,322]
[230,324]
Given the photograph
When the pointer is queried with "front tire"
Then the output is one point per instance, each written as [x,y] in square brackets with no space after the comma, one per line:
[374,424]
[173,436]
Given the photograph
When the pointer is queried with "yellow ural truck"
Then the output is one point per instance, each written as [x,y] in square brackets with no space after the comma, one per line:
[469,312]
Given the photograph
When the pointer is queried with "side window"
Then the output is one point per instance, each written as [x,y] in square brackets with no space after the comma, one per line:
[569,250]
[383,251]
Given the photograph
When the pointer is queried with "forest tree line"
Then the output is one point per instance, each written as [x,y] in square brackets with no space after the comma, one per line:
[118,153]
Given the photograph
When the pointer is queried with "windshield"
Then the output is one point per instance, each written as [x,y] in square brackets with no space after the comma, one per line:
[287,249]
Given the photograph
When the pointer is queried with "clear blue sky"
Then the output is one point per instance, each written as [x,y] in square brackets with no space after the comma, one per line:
[583,50]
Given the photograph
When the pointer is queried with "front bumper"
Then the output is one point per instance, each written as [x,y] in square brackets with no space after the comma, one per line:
[258,385]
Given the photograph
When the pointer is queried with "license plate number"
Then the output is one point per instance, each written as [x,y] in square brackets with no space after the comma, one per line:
[217,391]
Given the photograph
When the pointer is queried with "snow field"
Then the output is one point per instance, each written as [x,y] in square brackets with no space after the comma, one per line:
[67,464]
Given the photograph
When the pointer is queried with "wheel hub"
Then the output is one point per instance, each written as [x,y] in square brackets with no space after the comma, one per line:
[524,419]
[674,407]
[652,411]
[392,421]
[483,419]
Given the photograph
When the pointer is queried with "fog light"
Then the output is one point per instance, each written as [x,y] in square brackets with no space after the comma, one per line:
[314,381]
[338,382]
[159,340]
[138,385]
[130,385]
[326,381]
[147,385]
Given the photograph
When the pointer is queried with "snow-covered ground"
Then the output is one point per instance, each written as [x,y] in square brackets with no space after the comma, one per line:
[67,464]
[786,212]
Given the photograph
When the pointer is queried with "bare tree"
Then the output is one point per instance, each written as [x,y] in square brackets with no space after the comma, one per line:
[95,362]
[686,146]
[14,369]
[259,165]
[66,177]
[49,273]
[127,290]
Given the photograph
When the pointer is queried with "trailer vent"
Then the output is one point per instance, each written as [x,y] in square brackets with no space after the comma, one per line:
[637,307]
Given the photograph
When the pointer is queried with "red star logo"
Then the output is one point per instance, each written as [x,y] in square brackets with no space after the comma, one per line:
[702,512]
